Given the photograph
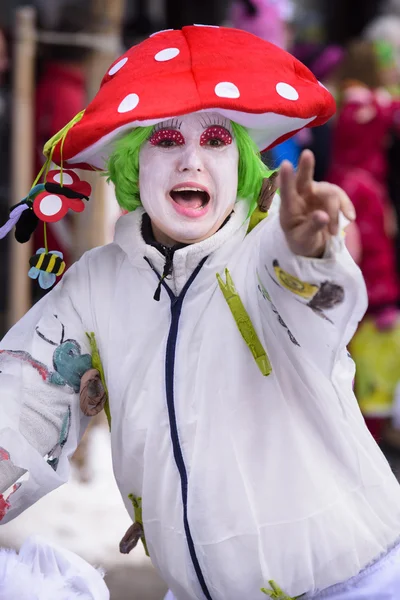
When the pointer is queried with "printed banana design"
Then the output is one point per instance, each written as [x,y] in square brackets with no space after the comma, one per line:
[293,284]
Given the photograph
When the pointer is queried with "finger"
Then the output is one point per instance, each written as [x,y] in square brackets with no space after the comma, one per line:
[287,188]
[325,197]
[305,172]
[309,229]
[346,206]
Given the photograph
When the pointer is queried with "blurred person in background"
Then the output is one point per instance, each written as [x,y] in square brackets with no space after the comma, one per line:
[385,30]
[366,113]
[270,20]
[324,62]
[5,167]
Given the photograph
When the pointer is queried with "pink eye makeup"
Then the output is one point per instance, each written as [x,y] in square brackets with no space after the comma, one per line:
[216,135]
[167,138]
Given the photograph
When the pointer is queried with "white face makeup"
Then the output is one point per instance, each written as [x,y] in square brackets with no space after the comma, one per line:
[188,176]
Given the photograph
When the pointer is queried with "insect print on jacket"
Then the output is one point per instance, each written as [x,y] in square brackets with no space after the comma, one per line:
[69,363]
[53,457]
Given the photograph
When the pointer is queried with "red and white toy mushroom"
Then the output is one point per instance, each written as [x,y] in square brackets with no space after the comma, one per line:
[63,191]
[198,68]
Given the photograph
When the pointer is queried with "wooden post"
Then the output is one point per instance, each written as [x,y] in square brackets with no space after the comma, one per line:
[22,156]
[107,18]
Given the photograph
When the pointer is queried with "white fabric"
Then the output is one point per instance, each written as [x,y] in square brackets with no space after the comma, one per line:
[47,572]
[284,481]
[380,580]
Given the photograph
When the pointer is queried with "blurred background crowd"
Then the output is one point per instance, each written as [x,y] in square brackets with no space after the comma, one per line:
[53,54]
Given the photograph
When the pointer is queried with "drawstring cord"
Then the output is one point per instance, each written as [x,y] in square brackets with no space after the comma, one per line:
[169,255]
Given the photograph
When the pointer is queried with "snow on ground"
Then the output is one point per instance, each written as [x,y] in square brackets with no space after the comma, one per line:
[87,518]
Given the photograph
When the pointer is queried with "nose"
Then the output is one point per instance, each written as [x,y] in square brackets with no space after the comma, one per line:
[191,159]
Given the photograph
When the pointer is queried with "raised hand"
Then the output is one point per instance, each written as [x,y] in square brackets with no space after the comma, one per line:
[309,212]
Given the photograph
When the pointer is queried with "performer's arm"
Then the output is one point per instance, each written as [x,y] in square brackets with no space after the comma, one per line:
[42,359]
[305,272]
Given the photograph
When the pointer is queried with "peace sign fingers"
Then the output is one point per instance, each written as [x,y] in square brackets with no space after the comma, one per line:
[309,212]
[305,173]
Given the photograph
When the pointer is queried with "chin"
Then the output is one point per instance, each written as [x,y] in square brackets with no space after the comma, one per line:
[186,239]
[192,237]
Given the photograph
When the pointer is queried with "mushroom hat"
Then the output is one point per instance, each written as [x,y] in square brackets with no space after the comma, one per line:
[198,68]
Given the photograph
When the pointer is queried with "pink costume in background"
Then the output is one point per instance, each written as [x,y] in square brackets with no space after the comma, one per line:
[359,166]
[268,22]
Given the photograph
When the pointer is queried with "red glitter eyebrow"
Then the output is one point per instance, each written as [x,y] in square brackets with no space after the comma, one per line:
[216,131]
[172,135]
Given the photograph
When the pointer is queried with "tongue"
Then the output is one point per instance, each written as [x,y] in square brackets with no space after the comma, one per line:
[188,199]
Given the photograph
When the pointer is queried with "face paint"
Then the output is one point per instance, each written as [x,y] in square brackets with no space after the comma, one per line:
[188,176]
[165,138]
[215,135]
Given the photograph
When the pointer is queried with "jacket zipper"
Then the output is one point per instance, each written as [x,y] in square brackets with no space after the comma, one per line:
[176,308]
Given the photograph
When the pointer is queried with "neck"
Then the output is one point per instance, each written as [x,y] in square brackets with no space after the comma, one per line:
[162,238]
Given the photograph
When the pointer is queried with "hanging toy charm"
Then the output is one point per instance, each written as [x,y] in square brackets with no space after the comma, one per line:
[63,191]
[48,202]
[22,217]
[46,267]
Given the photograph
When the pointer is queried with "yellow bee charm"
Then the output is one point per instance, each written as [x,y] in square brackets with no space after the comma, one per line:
[46,267]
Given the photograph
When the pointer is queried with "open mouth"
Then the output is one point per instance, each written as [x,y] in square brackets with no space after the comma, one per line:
[188,197]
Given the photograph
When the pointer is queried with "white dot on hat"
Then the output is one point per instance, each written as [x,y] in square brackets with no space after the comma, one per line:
[66,178]
[118,66]
[161,31]
[201,25]
[128,103]
[226,89]
[287,91]
[51,205]
[167,54]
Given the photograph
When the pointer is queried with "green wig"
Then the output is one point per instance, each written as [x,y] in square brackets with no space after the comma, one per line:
[123,167]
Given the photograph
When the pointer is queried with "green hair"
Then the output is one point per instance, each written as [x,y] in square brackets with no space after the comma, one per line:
[123,167]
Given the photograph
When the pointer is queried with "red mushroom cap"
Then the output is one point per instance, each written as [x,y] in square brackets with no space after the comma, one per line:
[198,68]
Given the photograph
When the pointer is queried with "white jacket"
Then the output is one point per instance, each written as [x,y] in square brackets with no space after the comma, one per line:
[243,477]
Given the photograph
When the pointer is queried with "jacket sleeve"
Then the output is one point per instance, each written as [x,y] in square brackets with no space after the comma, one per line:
[315,303]
[42,359]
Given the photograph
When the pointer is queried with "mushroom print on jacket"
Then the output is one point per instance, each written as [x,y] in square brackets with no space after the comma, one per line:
[214,332]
